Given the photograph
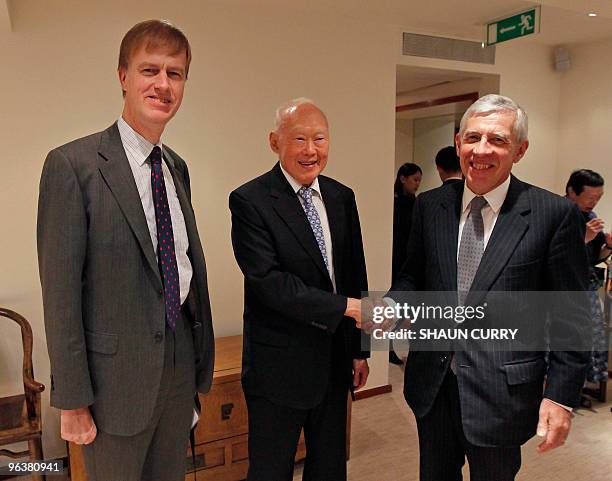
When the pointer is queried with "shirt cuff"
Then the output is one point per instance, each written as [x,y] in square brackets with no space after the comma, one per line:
[567,408]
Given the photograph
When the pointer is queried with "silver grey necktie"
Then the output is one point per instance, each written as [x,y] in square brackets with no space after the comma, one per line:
[471,248]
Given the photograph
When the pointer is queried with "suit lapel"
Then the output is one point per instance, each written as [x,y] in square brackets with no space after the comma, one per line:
[194,252]
[337,221]
[511,225]
[188,214]
[447,232]
[116,171]
[288,207]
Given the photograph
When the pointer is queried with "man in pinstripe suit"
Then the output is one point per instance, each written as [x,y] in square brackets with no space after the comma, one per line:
[485,405]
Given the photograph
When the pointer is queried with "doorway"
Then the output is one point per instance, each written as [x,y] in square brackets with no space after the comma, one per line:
[429,106]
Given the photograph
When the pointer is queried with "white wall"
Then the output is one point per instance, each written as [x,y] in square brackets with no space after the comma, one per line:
[60,83]
[403,142]
[585,134]
[430,135]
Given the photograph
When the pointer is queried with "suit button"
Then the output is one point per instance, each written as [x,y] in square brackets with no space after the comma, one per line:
[159,337]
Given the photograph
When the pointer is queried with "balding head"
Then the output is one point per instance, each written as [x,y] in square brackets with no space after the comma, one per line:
[290,108]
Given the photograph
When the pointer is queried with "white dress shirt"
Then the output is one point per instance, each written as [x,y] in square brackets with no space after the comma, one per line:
[137,150]
[319,205]
[490,212]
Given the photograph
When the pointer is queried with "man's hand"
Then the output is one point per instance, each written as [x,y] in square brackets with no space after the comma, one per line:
[554,425]
[77,426]
[368,306]
[353,309]
[361,370]
[608,239]
[593,227]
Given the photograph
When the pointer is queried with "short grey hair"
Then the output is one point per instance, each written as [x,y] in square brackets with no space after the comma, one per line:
[494,103]
[287,108]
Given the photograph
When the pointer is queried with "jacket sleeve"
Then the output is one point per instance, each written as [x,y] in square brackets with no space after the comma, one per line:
[569,321]
[360,341]
[411,275]
[62,245]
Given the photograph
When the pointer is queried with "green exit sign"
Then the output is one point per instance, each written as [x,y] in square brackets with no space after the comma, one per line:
[518,25]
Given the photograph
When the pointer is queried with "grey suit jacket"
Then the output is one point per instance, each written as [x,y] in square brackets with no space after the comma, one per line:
[537,245]
[102,291]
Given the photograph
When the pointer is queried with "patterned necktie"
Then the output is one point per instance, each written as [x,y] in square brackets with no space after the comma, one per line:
[314,220]
[471,248]
[166,256]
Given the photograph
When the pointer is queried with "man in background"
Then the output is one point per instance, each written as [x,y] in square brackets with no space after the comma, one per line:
[447,163]
[297,240]
[125,294]
[586,188]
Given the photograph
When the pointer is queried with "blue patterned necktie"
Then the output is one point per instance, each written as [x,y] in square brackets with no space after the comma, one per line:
[313,218]
[166,256]
[471,248]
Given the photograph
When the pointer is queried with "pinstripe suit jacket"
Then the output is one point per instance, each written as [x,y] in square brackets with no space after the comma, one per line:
[537,245]
[102,291]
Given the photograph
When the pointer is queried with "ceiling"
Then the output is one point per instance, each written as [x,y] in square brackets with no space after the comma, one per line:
[412,78]
[562,21]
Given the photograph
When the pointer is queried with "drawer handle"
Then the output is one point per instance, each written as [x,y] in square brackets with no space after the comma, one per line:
[226,411]
[200,462]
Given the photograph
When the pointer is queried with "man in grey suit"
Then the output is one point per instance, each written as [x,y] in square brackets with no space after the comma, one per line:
[491,234]
[123,276]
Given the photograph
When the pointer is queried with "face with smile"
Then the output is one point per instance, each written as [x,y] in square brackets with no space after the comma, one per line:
[487,150]
[153,84]
[302,142]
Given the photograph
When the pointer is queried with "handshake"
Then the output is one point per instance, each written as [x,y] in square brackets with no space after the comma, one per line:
[367,313]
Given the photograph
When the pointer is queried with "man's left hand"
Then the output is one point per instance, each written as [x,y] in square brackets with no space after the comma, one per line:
[554,425]
[361,370]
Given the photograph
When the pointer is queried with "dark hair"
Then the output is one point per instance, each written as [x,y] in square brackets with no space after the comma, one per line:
[405,170]
[581,178]
[448,160]
[153,34]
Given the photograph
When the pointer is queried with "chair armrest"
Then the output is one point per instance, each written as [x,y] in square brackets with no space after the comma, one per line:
[33,385]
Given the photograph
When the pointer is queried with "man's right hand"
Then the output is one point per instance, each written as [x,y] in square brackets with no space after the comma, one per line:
[593,227]
[362,310]
[77,426]
[353,309]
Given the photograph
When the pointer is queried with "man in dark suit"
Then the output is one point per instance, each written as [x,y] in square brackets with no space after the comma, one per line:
[447,164]
[495,234]
[125,294]
[297,240]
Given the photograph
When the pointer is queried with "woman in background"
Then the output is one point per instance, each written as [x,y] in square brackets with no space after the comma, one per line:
[407,183]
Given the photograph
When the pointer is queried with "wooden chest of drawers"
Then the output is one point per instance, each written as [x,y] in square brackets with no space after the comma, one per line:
[222,433]
[221,436]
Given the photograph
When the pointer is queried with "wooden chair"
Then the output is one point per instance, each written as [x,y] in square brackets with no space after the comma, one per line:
[20,419]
